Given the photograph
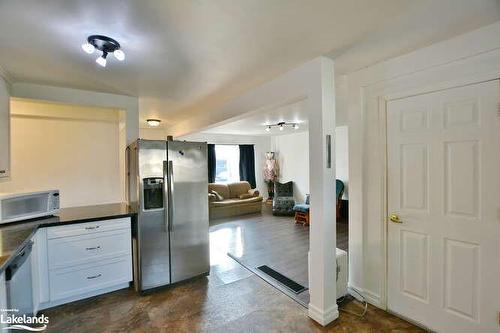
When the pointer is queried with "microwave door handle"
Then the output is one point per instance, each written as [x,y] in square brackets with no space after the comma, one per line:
[171,195]
[166,206]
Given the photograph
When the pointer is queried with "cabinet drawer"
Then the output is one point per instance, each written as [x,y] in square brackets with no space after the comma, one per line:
[82,249]
[65,283]
[88,228]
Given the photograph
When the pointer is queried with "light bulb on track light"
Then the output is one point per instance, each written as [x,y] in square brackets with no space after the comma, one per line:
[88,48]
[119,55]
[101,60]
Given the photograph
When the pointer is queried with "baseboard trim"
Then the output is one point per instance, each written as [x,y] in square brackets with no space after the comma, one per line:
[323,317]
[369,296]
[373,299]
[48,305]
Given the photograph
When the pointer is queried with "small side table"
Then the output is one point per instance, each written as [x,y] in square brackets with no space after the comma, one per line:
[302,217]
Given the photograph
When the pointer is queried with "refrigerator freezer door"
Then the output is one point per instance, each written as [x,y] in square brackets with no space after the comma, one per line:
[154,247]
[189,242]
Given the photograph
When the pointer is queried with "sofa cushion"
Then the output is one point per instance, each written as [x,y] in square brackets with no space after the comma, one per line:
[238,188]
[235,202]
[304,208]
[222,189]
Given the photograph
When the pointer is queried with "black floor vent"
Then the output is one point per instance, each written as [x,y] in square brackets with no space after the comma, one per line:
[290,284]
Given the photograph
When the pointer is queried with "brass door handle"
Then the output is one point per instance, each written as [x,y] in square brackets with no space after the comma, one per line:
[395,218]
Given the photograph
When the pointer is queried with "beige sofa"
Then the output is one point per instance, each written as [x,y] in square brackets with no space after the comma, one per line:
[237,199]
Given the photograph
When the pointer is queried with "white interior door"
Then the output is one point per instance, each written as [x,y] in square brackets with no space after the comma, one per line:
[443,185]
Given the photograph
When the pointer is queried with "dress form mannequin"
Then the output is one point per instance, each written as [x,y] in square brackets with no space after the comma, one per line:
[271,171]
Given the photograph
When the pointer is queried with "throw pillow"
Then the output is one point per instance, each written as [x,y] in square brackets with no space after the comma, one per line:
[212,197]
[245,196]
[254,192]
[219,197]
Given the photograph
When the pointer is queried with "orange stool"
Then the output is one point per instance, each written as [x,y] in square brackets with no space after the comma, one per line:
[302,217]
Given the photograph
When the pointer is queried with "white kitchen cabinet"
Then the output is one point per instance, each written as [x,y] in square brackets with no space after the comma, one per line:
[39,269]
[4,130]
[78,261]
[80,280]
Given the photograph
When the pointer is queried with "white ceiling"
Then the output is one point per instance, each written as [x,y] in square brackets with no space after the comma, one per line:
[190,56]
[255,123]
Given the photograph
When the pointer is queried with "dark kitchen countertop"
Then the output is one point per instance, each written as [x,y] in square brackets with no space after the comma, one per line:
[14,236]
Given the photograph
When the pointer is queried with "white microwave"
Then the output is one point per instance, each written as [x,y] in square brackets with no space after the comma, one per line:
[23,206]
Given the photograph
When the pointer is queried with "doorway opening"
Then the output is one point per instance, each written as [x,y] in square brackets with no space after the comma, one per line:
[271,236]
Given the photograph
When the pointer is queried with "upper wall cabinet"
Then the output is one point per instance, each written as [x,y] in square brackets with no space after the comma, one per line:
[4,130]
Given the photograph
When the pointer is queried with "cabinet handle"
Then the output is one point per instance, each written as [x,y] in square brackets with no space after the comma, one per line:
[92,228]
[93,248]
[94,277]
[2,171]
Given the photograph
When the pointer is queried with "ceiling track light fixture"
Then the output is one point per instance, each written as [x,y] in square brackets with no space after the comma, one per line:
[104,44]
[282,125]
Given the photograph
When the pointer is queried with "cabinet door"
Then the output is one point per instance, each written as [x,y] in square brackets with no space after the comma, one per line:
[39,269]
[4,130]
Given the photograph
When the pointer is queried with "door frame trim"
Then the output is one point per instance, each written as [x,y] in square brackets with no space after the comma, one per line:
[473,70]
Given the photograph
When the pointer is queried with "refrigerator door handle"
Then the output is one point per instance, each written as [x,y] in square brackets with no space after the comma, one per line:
[166,196]
[171,195]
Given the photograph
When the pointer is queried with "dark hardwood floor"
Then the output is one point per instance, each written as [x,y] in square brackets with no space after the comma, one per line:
[230,299]
[275,241]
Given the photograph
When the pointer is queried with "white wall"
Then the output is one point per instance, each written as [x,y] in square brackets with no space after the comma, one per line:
[71,148]
[262,144]
[469,58]
[293,156]
[292,153]
[4,128]
[129,104]
[152,133]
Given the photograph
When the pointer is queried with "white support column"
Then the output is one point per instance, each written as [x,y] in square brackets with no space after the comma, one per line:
[322,237]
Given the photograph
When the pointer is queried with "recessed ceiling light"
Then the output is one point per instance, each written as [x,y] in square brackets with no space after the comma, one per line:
[105,45]
[153,122]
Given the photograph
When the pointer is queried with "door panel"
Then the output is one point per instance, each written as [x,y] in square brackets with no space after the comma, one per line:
[443,184]
[462,172]
[415,265]
[414,179]
[461,280]
[189,210]
[152,231]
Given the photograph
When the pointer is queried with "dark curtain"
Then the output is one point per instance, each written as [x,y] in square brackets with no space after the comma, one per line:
[211,163]
[247,164]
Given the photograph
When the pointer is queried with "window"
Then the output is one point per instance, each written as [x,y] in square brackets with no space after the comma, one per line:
[227,168]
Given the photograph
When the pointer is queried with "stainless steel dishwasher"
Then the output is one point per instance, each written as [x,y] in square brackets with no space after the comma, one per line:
[18,282]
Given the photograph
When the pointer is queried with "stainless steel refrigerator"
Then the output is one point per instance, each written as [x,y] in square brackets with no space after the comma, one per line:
[167,185]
